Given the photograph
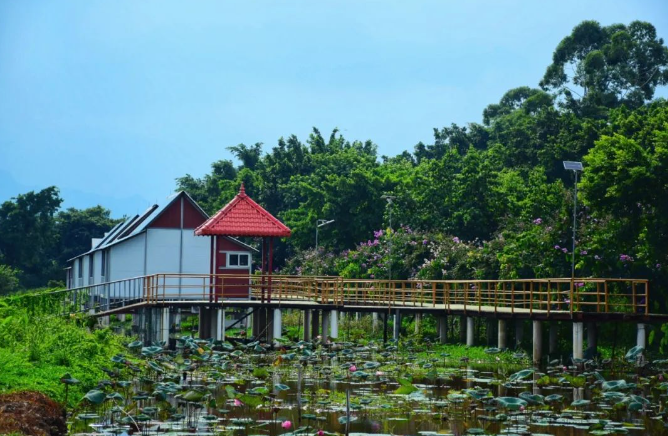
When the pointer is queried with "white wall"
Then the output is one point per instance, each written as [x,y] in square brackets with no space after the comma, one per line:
[196,253]
[97,270]
[163,251]
[126,259]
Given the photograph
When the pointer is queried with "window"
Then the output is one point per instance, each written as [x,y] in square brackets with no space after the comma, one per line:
[238,259]
[80,268]
[103,264]
[90,265]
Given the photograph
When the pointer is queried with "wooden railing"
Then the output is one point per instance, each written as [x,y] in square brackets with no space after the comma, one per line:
[540,295]
[530,296]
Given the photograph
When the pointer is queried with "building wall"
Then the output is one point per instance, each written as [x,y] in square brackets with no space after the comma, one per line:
[163,251]
[126,259]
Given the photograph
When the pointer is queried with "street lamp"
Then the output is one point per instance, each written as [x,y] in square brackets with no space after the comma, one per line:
[575,167]
[319,223]
[389,199]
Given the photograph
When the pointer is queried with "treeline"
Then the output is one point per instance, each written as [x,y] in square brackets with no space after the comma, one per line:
[37,238]
[488,199]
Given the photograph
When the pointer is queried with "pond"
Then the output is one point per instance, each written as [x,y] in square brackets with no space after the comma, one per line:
[209,387]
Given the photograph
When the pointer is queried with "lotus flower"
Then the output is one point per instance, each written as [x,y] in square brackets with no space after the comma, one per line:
[286,425]
[320,433]
[238,403]
[352,368]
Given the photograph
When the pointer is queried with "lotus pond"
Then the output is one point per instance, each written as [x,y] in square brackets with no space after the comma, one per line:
[212,387]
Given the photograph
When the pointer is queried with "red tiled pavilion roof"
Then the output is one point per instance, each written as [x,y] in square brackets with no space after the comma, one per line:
[243,217]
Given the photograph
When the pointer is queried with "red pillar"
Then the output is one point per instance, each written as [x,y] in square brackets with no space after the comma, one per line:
[271,256]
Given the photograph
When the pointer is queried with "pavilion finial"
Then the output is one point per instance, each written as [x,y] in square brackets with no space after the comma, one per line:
[242,190]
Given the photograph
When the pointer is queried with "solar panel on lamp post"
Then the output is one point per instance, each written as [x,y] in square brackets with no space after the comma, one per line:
[575,167]
[319,223]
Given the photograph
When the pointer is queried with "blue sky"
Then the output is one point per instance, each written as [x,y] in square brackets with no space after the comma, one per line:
[112,100]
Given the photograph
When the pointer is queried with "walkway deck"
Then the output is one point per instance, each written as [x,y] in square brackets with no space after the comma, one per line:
[582,299]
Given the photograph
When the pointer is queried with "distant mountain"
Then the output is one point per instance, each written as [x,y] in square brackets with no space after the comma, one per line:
[9,188]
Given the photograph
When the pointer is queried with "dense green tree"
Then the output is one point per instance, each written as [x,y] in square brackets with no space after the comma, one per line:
[77,227]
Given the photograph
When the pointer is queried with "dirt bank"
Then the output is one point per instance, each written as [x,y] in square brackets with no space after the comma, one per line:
[31,413]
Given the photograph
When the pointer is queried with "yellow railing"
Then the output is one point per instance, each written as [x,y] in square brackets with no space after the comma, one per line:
[507,296]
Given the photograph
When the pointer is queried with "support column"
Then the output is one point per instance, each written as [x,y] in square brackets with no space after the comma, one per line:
[397,324]
[641,337]
[553,338]
[418,319]
[489,332]
[164,326]
[121,317]
[578,333]
[325,325]
[204,323]
[219,331]
[443,329]
[315,324]
[374,321]
[470,331]
[334,324]
[462,329]
[592,339]
[519,333]
[502,342]
[278,325]
[537,342]
[307,325]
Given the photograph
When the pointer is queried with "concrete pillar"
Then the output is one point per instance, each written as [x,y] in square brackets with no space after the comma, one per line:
[397,324]
[164,325]
[418,319]
[489,332]
[470,331]
[315,324]
[592,338]
[374,321]
[462,329]
[121,317]
[204,323]
[277,325]
[552,347]
[325,325]
[334,324]
[219,333]
[307,325]
[519,332]
[537,342]
[641,338]
[502,340]
[578,336]
[443,329]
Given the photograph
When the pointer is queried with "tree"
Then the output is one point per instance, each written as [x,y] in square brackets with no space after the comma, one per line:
[9,280]
[29,239]
[598,67]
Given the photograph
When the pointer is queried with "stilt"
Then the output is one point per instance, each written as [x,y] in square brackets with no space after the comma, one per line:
[164,326]
[519,333]
[418,319]
[325,325]
[489,332]
[537,342]
[205,314]
[315,324]
[501,334]
[121,317]
[641,338]
[277,325]
[334,324]
[470,331]
[307,325]
[397,324]
[462,329]
[592,340]
[578,333]
[385,327]
[442,329]
[554,328]
[374,321]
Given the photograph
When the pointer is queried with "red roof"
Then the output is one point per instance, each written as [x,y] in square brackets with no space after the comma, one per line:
[243,217]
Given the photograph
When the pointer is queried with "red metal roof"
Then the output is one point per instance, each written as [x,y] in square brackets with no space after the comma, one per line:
[243,217]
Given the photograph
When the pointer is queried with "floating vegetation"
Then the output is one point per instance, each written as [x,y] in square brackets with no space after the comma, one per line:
[307,388]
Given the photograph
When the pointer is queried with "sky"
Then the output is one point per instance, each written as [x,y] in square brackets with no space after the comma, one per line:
[112,100]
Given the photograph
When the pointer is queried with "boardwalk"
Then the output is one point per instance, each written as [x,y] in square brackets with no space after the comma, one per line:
[547,299]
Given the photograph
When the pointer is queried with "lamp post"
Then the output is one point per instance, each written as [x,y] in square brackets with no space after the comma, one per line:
[389,199]
[319,223]
[575,167]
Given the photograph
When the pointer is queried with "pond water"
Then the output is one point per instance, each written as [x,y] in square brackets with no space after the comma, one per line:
[209,388]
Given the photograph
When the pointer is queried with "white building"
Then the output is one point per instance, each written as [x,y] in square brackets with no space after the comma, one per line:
[160,240]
